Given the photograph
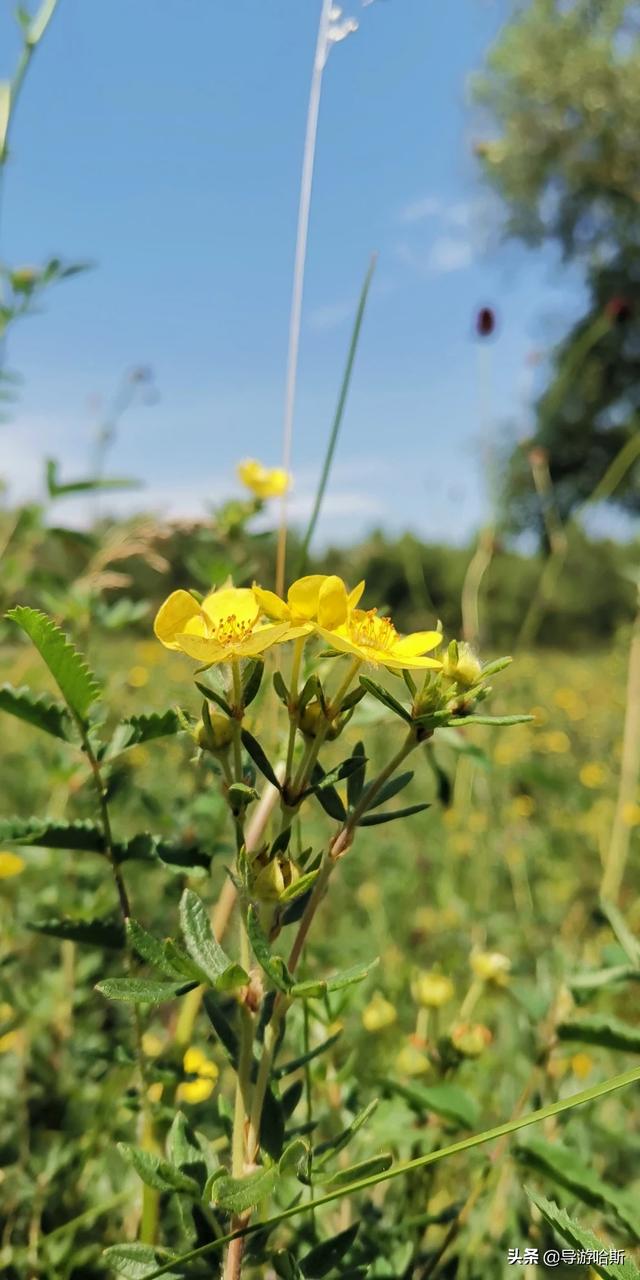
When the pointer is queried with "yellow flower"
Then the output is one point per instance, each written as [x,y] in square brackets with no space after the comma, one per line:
[367,636]
[151,1044]
[154,1092]
[11,864]
[522,807]
[630,815]
[491,966]
[138,677]
[224,627]
[411,1062]
[369,894]
[205,1074]
[378,1014]
[10,1042]
[265,482]
[555,741]
[470,1038]
[432,990]
[593,775]
[318,599]
[581,1065]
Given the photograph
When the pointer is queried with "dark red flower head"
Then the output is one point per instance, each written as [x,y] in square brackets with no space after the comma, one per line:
[619,309]
[485,322]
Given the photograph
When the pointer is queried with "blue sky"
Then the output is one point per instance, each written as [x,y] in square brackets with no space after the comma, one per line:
[163,143]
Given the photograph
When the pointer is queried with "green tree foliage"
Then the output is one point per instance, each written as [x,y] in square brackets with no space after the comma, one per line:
[562,87]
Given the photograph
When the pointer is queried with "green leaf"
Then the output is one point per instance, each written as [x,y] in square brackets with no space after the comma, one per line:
[391,788]
[187,1151]
[364,1169]
[280,687]
[376,819]
[595,979]
[324,1257]
[321,986]
[298,887]
[294,1064]
[386,698]
[355,781]
[214,696]
[221,972]
[222,1027]
[295,1157]
[49,833]
[235,1195]
[496,722]
[251,681]
[560,1164]
[252,746]
[628,941]
[136,1261]
[327,1150]
[76,682]
[580,1238]
[97,933]
[601,1029]
[346,769]
[143,728]
[164,955]
[446,1100]
[142,990]
[274,966]
[330,800]
[158,1173]
[39,710]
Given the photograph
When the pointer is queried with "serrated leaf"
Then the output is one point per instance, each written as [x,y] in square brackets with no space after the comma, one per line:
[601,1029]
[564,1167]
[221,972]
[38,710]
[136,1261]
[376,819]
[143,728]
[387,699]
[274,966]
[142,990]
[235,1195]
[326,1256]
[77,683]
[49,833]
[97,933]
[580,1238]
[337,982]
[158,1173]
[164,955]
[260,759]
[363,1169]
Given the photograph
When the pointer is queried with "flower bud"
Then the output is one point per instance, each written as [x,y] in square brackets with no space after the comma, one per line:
[214,733]
[491,966]
[461,664]
[269,877]
[378,1013]
[23,279]
[313,721]
[470,1039]
[411,1061]
[432,990]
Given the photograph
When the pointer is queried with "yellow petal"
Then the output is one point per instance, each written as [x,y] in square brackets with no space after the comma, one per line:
[202,649]
[208,1070]
[173,616]
[271,604]
[237,602]
[303,597]
[354,596]
[393,663]
[332,603]
[293,633]
[417,643]
[195,1090]
[262,638]
[11,864]
[341,642]
[193,1060]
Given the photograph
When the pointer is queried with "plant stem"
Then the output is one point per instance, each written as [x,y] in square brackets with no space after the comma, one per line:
[618,851]
[293,705]
[337,420]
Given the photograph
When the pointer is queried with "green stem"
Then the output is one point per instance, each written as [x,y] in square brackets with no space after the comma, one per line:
[408,1166]
[293,705]
[337,420]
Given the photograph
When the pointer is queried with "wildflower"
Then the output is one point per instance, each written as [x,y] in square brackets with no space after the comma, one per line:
[10,1042]
[522,807]
[432,990]
[152,1045]
[593,775]
[555,742]
[581,1065]
[411,1061]
[204,1075]
[470,1039]
[154,1091]
[264,482]
[223,627]
[11,864]
[491,966]
[367,636]
[318,598]
[630,815]
[378,1014]
[138,677]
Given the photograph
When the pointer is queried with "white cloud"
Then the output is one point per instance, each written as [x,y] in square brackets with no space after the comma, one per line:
[330,316]
[418,210]
[449,254]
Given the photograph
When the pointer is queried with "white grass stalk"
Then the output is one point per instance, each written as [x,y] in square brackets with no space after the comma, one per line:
[306,184]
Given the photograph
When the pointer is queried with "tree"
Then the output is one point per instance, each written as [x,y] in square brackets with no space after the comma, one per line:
[562,86]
